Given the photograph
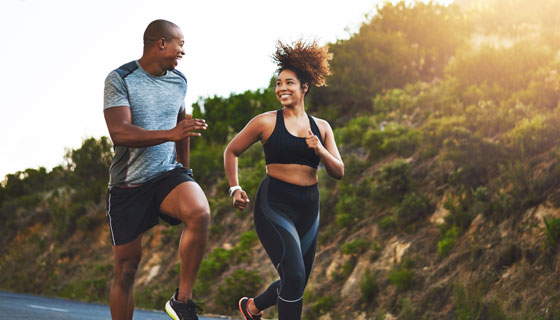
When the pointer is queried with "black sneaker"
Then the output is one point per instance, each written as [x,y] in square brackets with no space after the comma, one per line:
[243,307]
[179,310]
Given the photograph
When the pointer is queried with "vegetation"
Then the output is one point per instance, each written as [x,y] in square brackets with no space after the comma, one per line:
[451,110]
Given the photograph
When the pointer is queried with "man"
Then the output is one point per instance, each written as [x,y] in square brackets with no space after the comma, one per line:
[145,113]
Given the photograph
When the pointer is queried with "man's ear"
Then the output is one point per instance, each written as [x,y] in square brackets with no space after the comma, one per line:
[161,43]
[305,87]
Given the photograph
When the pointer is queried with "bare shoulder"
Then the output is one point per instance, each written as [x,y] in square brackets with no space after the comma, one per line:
[323,125]
[264,119]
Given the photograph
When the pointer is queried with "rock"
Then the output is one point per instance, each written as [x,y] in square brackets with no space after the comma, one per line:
[544,212]
[439,215]
[391,254]
[389,316]
[478,220]
[352,284]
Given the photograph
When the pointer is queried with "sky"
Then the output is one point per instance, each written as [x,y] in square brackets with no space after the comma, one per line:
[55,55]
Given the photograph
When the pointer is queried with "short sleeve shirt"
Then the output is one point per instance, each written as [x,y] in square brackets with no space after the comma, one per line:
[155,103]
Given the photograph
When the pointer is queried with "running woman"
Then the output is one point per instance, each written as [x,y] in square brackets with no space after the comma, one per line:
[286,214]
[145,113]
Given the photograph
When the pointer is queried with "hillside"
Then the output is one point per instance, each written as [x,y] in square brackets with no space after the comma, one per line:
[447,121]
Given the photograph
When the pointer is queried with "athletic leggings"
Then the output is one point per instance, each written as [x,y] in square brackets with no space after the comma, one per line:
[287,220]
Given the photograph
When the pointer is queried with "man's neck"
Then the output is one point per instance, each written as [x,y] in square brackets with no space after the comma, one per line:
[151,66]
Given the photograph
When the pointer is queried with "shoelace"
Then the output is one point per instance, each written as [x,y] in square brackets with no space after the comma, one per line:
[189,311]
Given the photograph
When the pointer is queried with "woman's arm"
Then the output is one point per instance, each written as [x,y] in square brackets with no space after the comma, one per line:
[241,142]
[330,157]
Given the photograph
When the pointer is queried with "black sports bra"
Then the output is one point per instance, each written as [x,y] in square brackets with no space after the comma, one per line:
[283,147]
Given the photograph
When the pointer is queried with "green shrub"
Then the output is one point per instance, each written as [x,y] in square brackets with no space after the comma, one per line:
[211,268]
[247,240]
[240,283]
[460,214]
[407,310]
[532,136]
[368,287]
[471,305]
[413,207]
[347,268]
[402,277]
[552,231]
[393,182]
[355,247]
[387,223]
[349,210]
[322,306]
[448,241]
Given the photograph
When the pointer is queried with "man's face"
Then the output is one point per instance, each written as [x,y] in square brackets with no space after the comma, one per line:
[173,50]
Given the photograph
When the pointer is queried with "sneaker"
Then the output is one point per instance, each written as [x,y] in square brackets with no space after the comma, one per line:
[244,308]
[179,310]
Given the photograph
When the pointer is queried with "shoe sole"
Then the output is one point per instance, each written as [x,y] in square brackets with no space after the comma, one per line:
[241,308]
[170,311]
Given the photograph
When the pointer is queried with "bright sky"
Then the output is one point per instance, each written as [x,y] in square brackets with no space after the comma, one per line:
[56,54]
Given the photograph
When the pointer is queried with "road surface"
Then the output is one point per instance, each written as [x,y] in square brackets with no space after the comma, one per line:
[26,306]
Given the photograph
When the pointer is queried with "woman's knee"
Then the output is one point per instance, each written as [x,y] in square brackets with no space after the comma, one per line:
[293,284]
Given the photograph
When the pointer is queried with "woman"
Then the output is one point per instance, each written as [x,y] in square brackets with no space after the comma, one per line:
[287,203]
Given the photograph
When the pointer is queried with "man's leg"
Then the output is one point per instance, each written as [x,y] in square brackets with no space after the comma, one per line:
[188,203]
[127,257]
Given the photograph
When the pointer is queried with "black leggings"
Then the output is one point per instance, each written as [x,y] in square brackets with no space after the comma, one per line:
[287,221]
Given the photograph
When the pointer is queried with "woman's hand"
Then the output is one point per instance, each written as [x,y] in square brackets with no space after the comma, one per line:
[314,143]
[240,199]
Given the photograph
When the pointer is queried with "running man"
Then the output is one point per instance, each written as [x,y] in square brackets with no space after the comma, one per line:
[145,113]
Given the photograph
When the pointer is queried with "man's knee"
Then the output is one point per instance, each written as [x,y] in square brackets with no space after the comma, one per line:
[125,270]
[198,216]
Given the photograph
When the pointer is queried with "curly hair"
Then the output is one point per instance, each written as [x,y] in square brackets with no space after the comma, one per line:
[308,60]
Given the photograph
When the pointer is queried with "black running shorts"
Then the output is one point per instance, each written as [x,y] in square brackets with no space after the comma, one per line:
[132,211]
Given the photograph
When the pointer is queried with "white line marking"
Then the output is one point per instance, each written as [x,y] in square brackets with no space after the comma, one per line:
[47,308]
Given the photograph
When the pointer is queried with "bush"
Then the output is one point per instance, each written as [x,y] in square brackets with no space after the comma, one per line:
[532,136]
[448,241]
[322,306]
[402,277]
[407,310]
[241,283]
[393,182]
[349,210]
[387,223]
[470,304]
[413,207]
[211,268]
[355,247]
[552,231]
[460,214]
[368,287]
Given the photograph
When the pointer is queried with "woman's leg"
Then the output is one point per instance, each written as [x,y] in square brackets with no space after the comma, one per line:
[279,237]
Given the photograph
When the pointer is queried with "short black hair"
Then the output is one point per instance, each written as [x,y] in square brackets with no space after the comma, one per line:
[158,29]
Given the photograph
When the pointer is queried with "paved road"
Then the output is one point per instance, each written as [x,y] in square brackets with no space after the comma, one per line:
[26,306]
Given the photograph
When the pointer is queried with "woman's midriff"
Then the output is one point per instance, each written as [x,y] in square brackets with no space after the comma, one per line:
[293,173]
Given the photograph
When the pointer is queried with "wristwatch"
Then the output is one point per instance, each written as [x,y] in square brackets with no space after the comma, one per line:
[233,189]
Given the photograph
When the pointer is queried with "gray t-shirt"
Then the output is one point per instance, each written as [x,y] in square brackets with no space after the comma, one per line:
[155,103]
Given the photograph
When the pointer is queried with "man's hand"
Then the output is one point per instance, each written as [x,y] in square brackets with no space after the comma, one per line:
[187,128]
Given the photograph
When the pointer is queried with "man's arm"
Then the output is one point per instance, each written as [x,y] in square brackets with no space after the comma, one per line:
[183,146]
[124,133]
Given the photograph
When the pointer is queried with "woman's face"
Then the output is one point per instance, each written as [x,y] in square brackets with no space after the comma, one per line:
[288,88]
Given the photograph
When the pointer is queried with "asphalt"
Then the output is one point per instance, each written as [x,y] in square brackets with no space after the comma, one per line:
[27,306]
